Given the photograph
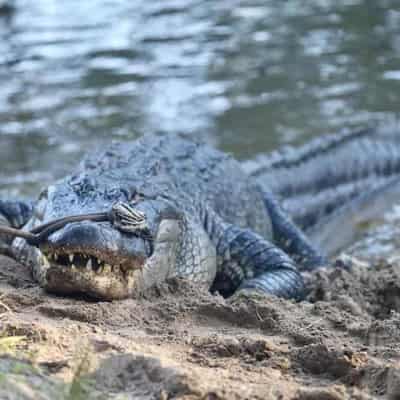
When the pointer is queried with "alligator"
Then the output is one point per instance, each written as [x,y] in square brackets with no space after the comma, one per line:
[230,227]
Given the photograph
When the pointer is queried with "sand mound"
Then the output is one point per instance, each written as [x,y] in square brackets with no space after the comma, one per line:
[181,342]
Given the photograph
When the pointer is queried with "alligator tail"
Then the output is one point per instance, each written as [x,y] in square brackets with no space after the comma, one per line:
[317,178]
[348,223]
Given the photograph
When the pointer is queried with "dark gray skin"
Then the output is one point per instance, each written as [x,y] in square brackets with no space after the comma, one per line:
[348,181]
[208,220]
[315,180]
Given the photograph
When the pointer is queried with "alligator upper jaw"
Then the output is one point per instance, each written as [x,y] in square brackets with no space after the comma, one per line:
[91,259]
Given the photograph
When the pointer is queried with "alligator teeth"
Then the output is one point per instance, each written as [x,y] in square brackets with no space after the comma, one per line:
[116,268]
[79,261]
[107,268]
[44,261]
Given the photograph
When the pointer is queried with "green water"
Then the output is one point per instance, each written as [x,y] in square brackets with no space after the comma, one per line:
[247,76]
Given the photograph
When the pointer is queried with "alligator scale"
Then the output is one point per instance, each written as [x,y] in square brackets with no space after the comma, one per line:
[193,212]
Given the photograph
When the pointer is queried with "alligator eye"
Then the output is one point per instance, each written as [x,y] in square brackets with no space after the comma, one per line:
[44,194]
[136,198]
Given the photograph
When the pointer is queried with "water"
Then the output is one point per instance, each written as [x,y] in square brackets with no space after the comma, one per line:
[247,76]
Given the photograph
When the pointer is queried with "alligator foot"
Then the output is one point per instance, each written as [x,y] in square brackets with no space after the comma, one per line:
[15,214]
[291,238]
[249,262]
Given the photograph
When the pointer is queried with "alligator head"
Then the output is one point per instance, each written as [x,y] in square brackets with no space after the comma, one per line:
[100,259]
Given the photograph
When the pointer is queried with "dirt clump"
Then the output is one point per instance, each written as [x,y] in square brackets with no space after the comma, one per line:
[181,342]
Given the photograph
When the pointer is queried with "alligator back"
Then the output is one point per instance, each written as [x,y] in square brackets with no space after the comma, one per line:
[184,170]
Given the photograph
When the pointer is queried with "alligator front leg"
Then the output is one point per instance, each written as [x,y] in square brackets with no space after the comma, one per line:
[246,261]
[290,238]
[14,213]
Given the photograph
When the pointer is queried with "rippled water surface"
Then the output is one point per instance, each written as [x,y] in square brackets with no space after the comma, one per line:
[246,75]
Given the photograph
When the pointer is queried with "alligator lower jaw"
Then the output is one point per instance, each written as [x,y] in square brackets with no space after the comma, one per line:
[76,273]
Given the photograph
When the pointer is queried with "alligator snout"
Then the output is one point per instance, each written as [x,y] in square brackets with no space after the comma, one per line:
[99,240]
[91,257]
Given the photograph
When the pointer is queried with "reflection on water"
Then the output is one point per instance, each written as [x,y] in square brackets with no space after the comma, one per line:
[246,75]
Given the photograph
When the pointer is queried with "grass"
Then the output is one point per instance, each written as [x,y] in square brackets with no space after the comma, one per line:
[80,385]
[9,344]
[19,375]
